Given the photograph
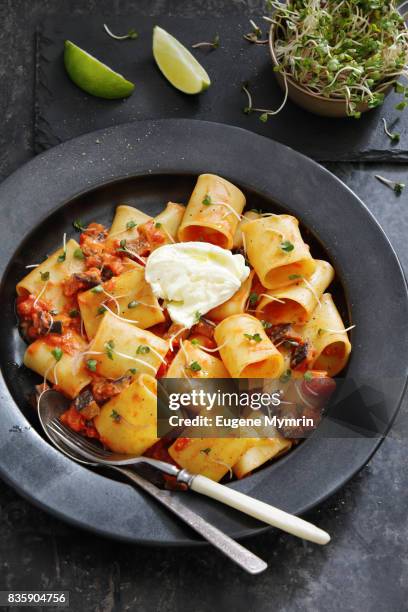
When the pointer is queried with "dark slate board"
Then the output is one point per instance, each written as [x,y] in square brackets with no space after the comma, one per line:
[64,111]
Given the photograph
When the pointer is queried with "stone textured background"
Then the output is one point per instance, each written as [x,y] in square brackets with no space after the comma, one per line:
[366,565]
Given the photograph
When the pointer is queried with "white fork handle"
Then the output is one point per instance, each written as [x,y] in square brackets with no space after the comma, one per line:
[259,510]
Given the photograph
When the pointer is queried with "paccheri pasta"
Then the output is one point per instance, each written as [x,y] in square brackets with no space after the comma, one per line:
[97,317]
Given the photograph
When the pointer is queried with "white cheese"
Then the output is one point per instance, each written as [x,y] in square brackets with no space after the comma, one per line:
[194,277]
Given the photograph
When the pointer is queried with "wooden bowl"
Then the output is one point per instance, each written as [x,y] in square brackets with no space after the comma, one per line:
[315,103]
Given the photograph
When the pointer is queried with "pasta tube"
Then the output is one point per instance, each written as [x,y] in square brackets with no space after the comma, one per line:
[213,212]
[125,222]
[326,332]
[46,280]
[60,366]
[295,303]
[276,250]
[127,295]
[246,350]
[192,362]
[170,218]
[120,346]
[128,422]
[250,215]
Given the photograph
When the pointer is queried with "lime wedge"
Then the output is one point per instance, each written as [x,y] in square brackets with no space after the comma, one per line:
[93,76]
[177,64]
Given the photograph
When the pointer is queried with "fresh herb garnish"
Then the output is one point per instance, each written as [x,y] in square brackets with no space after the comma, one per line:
[195,366]
[266,324]
[78,254]
[287,246]
[61,258]
[91,364]
[142,349]
[294,276]
[253,298]
[73,313]
[195,342]
[286,376]
[393,136]
[157,225]
[79,226]
[45,276]
[133,370]
[308,376]
[131,224]
[214,44]
[115,416]
[207,200]
[132,34]
[109,348]
[394,185]
[255,337]
[197,317]
[57,353]
[256,35]
[101,309]
[341,50]
[205,451]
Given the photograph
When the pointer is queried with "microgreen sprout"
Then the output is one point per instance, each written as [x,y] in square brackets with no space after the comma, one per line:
[131,224]
[132,34]
[91,365]
[254,337]
[109,348]
[393,136]
[264,113]
[287,246]
[255,36]
[194,366]
[214,44]
[79,226]
[115,416]
[78,254]
[348,50]
[286,376]
[45,276]
[394,185]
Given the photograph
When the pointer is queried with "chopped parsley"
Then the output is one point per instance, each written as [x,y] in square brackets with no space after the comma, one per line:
[57,353]
[91,364]
[254,337]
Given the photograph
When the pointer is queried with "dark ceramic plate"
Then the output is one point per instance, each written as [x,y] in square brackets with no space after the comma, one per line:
[146,164]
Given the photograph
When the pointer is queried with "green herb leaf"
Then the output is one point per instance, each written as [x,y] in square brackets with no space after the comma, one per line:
[78,254]
[132,34]
[157,225]
[264,117]
[101,310]
[79,226]
[401,105]
[57,353]
[115,416]
[133,370]
[61,258]
[131,224]
[294,276]
[45,276]
[109,348]
[205,451]
[286,246]
[253,298]
[91,364]
[207,200]
[142,349]
[308,376]
[255,337]
[266,324]
[195,366]
[195,342]
[197,317]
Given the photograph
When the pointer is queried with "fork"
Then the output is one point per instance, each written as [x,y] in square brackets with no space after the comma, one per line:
[200,484]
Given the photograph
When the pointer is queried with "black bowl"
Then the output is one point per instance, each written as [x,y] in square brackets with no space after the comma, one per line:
[146,164]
